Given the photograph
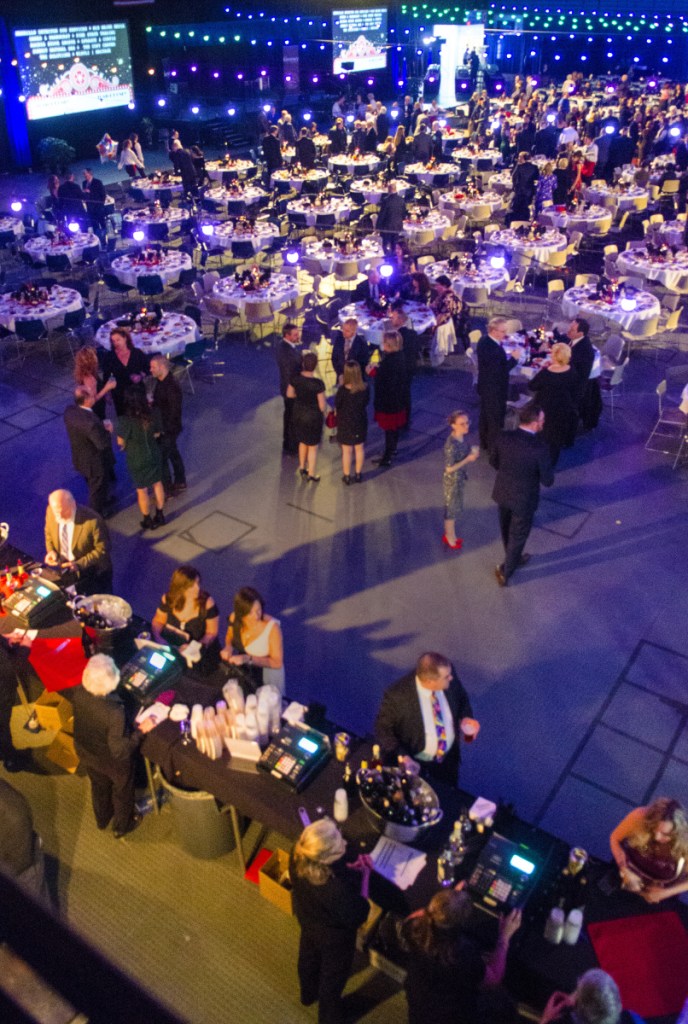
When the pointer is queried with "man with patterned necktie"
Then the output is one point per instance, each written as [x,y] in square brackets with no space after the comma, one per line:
[420,719]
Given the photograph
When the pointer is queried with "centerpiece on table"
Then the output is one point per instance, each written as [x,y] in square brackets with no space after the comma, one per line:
[253,279]
[31,294]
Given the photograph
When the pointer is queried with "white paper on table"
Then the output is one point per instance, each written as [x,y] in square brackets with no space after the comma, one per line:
[192,653]
[397,863]
[158,712]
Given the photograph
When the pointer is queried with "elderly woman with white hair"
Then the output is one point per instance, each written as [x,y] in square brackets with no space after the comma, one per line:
[330,907]
[106,744]
[596,1000]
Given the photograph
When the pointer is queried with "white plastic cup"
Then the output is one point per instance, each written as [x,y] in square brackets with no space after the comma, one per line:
[341,805]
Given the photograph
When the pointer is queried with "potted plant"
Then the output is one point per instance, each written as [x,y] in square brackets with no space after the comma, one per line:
[55,155]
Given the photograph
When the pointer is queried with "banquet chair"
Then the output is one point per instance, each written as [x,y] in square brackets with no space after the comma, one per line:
[58,263]
[600,227]
[640,331]
[296,310]
[209,205]
[149,285]
[609,385]
[670,301]
[479,214]
[242,250]
[257,314]
[670,433]
[70,330]
[421,240]
[583,279]
[158,232]
[236,207]
[192,356]
[346,272]
[113,284]
[310,265]
[556,264]
[575,239]
[475,298]
[325,222]
[441,181]
[669,323]
[136,195]
[209,280]
[555,293]
[516,224]
[28,332]
[611,353]
[619,224]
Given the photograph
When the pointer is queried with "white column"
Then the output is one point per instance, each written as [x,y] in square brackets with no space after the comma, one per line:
[449,61]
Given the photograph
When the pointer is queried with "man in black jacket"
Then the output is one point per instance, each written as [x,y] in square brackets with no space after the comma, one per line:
[399,321]
[288,355]
[493,380]
[305,150]
[168,399]
[523,463]
[71,200]
[272,151]
[91,447]
[582,361]
[390,219]
[349,344]
[420,719]
[94,192]
[372,289]
[422,145]
[523,177]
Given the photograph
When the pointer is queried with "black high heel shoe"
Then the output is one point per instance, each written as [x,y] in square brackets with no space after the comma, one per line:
[313,479]
[304,473]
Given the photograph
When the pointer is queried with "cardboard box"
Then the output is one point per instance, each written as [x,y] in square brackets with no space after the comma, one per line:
[62,753]
[270,884]
[52,711]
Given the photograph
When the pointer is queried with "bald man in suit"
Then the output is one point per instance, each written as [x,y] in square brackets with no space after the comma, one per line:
[77,540]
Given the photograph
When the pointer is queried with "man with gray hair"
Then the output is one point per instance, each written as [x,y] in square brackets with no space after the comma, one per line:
[596,1000]
[106,744]
[77,540]
[91,447]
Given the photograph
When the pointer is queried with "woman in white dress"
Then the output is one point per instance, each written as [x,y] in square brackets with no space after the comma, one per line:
[254,640]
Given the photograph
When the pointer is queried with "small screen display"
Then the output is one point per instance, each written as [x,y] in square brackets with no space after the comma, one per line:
[43,591]
[521,864]
[308,745]
[157,660]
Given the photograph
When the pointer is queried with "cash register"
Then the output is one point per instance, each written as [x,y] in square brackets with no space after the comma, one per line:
[35,602]
[151,670]
[296,755]
[504,876]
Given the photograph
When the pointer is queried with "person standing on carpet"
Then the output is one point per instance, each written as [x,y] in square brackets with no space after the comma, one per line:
[457,455]
[390,395]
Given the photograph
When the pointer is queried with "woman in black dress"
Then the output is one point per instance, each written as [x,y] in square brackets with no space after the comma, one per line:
[557,389]
[308,414]
[186,613]
[330,905]
[126,364]
[351,403]
[390,395]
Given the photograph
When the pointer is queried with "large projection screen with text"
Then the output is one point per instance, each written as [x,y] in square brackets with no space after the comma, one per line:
[360,40]
[74,68]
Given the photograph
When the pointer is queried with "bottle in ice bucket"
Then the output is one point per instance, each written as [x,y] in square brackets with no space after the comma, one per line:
[445,867]
[376,759]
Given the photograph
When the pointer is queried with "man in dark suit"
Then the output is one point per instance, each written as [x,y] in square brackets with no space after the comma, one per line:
[186,168]
[420,718]
[399,321]
[91,447]
[272,151]
[288,355]
[422,145]
[372,289]
[523,463]
[305,150]
[582,361]
[390,219]
[94,192]
[523,178]
[493,380]
[71,199]
[546,140]
[168,400]
[77,540]
[349,344]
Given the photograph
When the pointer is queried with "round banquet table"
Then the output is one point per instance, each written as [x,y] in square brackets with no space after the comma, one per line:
[260,235]
[347,165]
[173,217]
[434,221]
[341,208]
[428,175]
[296,180]
[248,194]
[581,220]
[152,189]
[451,138]
[215,169]
[538,249]
[625,199]
[581,302]
[373,191]
[673,232]
[279,293]
[12,224]
[42,245]
[668,270]
[170,338]
[493,155]
[328,255]
[373,326]
[321,142]
[128,270]
[457,202]
[485,277]
[51,313]
[500,181]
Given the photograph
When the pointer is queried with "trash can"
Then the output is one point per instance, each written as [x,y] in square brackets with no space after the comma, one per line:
[202,830]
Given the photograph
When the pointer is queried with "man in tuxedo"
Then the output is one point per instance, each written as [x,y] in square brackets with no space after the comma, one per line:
[523,463]
[168,400]
[523,178]
[288,355]
[305,150]
[272,151]
[399,321]
[77,540]
[493,381]
[71,199]
[390,219]
[95,195]
[420,718]
[582,361]
[349,344]
[91,447]
[372,289]
[422,145]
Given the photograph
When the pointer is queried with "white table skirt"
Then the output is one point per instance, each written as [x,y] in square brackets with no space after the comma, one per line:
[13,225]
[623,200]
[486,277]
[175,332]
[280,292]
[172,217]
[673,232]
[421,319]
[577,302]
[538,250]
[427,177]
[373,193]
[297,182]
[152,191]
[169,269]
[215,170]
[341,211]
[249,195]
[349,165]
[224,234]
[41,246]
[486,154]
[636,261]
[456,207]
[329,257]
[583,221]
[436,222]
[50,313]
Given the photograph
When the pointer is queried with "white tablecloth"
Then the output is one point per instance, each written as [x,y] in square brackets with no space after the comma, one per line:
[624,199]
[672,232]
[152,189]
[13,225]
[248,194]
[341,208]
[347,165]
[41,245]
[173,217]
[451,138]
[581,302]
[328,255]
[581,220]
[428,176]
[501,181]
[175,332]
[485,277]
[435,222]
[216,168]
[223,235]
[668,270]
[51,313]
[493,155]
[373,191]
[280,292]
[457,202]
[128,271]
[539,249]
[421,319]
[296,181]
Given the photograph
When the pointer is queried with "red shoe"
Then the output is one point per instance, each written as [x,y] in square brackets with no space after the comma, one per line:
[456,546]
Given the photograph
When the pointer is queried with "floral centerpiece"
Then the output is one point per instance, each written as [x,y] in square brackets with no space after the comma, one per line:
[30,294]
[143,320]
[253,279]
[147,257]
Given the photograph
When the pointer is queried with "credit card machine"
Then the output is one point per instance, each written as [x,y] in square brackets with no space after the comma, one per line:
[504,876]
[35,602]
[149,672]
[296,754]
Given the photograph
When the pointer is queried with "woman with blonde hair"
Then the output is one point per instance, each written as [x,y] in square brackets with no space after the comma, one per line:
[351,403]
[330,906]
[557,390]
[650,847]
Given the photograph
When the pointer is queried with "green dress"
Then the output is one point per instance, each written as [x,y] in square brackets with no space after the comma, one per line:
[454,451]
[142,451]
